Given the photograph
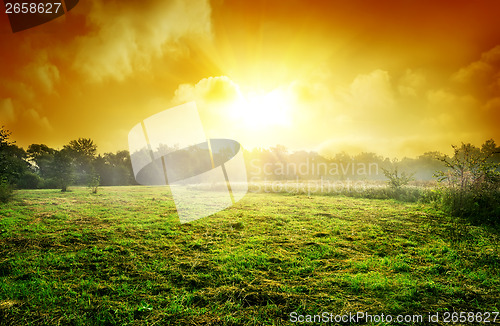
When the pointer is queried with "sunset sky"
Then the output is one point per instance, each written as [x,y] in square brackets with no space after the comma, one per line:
[398,78]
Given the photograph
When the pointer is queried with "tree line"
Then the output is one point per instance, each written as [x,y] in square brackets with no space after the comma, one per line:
[468,181]
[77,163]
[278,163]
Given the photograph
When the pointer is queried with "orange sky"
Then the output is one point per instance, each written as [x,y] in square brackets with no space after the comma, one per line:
[392,77]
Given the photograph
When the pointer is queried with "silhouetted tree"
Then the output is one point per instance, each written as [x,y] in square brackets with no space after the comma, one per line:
[83,152]
[40,156]
[61,168]
[114,169]
[84,147]
[12,158]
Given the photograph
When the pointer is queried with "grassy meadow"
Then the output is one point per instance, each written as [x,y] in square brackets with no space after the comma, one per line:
[120,257]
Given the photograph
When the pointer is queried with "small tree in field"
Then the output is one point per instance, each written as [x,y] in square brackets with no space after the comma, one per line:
[94,182]
[397,179]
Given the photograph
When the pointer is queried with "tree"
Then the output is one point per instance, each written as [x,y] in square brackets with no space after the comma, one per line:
[279,154]
[472,182]
[343,159]
[5,187]
[83,152]
[61,168]
[94,183]
[426,165]
[4,138]
[397,179]
[40,156]
[471,167]
[84,147]
[12,158]
[114,169]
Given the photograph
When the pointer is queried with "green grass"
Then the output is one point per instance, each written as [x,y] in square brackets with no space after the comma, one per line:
[121,257]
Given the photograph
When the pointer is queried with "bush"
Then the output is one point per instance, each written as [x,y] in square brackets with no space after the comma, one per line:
[471,185]
[431,196]
[396,179]
[6,191]
[480,206]
[93,183]
[29,180]
[49,183]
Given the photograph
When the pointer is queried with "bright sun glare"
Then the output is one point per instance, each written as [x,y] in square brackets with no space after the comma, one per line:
[263,110]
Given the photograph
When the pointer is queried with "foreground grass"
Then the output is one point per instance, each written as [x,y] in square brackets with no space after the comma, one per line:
[120,257]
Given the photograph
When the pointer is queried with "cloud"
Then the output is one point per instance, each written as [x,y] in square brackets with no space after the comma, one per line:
[398,116]
[410,83]
[126,36]
[448,110]
[47,74]
[39,120]
[493,105]
[212,89]
[215,98]
[372,92]
[481,77]
[368,98]
[480,80]
[42,72]
[309,92]
[489,64]
[7,110]
[340,107]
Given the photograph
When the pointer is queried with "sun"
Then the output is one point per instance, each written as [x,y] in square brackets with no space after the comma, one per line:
[260,110]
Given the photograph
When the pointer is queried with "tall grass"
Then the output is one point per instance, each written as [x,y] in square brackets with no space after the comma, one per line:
[479,206]
[358,189]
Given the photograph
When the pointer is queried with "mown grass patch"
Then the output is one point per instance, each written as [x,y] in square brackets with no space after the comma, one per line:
[121,257]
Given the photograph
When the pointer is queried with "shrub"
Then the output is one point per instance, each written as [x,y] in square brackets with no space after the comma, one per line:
[94,182]
[6,190]
[431,196]
[396,179]
[481,206]
[29,180]
[49,183]
[471,185]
